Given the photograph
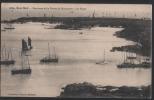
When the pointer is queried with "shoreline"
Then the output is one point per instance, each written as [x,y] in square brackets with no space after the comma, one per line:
[86,89]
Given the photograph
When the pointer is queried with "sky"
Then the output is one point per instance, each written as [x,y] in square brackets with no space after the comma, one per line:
[16,10]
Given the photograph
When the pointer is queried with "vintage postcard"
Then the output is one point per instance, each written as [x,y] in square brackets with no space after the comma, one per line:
[76,50]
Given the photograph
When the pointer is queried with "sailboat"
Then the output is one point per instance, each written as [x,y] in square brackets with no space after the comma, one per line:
[48,27]
[27,15]
[131,57]
[25,66]
[26,46]
[9,26]
[6,57]
[129,63]
[103,61]
[50,58]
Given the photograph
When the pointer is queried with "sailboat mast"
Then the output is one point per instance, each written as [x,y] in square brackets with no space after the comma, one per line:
[124,57]
[104,54]
[55,53]
[27,15]
[49,49]
[128,55]
[8,53]
[28,62]
[93,14]
[11,53]
[1,53]
[22,61]
[133,58]
[5,53]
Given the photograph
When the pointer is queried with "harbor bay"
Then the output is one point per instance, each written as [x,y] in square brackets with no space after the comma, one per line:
[76,50]
[78,54]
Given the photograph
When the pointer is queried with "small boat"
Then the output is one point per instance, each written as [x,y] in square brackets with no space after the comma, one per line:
[25,66]
[48,28]
[81,33]
[9,26]
[49,58]
[129,63]
[7,62]
[131,57]
[21,71]
[3,30]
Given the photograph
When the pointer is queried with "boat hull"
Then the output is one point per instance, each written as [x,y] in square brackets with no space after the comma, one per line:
[128,65]
[8,62]
[49,60]
[21,71]
[9,28]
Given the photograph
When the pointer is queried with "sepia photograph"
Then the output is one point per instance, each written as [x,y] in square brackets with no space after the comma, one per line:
[68,50]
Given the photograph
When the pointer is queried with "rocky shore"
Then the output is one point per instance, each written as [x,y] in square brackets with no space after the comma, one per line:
[139,32]
[85,89]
